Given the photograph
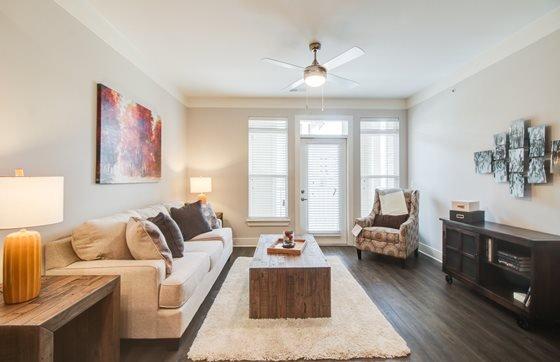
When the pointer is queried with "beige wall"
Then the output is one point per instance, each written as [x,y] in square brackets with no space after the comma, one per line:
[446,130]
[49,67]
[217,147]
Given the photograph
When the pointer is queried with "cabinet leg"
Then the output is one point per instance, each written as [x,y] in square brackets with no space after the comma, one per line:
[449,279]
[359,254]
[416,252]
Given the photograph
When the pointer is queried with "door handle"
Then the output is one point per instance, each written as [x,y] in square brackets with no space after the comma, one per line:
[303,199]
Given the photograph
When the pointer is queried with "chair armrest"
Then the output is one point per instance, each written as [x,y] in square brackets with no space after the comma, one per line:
[140,281]
[364,222]
[408,232]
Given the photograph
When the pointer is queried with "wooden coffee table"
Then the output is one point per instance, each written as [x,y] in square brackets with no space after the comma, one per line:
[289,286]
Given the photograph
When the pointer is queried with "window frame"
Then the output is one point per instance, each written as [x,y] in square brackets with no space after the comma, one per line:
[268,220]
[374,131]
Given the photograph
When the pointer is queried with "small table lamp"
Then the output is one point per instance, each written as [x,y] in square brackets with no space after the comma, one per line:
[201,185]
[27,201]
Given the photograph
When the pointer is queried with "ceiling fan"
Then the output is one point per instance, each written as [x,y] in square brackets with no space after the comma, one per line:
[315,75]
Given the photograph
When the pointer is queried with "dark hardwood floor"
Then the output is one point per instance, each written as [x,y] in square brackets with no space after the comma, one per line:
[440,322]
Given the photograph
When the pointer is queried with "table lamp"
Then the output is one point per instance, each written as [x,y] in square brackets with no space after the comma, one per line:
[201,185]
[26,202]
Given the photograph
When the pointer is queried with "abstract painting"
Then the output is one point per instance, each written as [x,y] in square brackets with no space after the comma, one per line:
[555,158]
[518,134]
[500,146]
[537,141]
[536,173]
[517,160]
[500,171]
[517,185]
[483,162]
[128,140]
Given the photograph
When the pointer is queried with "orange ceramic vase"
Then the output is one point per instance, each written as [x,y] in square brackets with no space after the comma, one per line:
[22,266]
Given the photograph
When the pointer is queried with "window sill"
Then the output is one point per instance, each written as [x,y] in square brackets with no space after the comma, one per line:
[268,222]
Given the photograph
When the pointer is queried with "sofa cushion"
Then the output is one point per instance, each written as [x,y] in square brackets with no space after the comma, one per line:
[173,204]
[190,219]
[151,211]
[146,242]
[214,249]
[382,234]
[187,274]
[223,234]
[172,233]
[103,238]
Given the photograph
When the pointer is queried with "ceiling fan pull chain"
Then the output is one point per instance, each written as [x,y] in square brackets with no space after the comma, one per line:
[322,98]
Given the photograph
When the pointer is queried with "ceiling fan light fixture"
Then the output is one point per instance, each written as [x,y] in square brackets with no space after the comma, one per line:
[315,76]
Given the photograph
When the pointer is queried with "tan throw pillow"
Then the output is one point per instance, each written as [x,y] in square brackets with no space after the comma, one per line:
[146,242]
[103,238]
[393,203]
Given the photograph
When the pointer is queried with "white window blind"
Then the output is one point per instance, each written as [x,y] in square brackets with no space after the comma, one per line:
[324,187]
[379,158]
[268,168]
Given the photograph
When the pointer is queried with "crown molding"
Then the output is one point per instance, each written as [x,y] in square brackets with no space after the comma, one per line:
[526,36]
[293,102]
[86,14]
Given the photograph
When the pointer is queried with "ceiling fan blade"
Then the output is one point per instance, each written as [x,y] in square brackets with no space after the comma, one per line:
[295,85]
[342,81]
[281,64]
[343,58]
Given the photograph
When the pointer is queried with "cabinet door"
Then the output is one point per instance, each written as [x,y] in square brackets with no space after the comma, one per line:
[461,250]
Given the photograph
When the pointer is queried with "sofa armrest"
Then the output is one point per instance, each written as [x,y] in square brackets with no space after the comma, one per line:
[140,281]
[364,221]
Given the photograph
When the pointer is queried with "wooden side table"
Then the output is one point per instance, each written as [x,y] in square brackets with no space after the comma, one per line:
[75,318]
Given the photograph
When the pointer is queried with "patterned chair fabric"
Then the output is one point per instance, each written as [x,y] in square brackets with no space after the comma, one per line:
[398,243]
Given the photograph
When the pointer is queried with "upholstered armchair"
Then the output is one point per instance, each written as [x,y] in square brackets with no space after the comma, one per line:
[399,243]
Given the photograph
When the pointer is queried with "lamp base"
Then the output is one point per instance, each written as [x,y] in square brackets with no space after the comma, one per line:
[22,266]
[202,198]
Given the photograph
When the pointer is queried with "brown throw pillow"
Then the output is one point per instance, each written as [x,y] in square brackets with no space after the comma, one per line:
[146,242]
[390,221]
[172,233]
[190,219]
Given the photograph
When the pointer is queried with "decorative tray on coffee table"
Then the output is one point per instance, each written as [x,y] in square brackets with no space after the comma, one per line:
[277,248]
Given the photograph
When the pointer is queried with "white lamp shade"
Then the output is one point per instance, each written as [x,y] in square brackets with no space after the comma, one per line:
[201,185]
[31,201]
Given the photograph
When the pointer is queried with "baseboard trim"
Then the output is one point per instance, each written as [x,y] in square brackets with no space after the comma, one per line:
[430,252]
[245,242]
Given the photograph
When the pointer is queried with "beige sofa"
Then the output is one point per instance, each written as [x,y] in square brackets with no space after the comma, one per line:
[153,305]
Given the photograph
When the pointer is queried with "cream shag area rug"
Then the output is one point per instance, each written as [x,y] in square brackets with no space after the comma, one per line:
[357,329]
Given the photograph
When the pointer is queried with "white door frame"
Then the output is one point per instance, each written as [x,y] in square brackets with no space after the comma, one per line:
[345,239]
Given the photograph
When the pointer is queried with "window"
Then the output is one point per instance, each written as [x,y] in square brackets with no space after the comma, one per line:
[323,128]
[379,158]
[268,168]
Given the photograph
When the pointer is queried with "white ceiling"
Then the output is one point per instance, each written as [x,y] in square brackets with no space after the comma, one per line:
[213,48]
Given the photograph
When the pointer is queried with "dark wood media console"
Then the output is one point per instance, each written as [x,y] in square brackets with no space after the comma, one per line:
[470,254]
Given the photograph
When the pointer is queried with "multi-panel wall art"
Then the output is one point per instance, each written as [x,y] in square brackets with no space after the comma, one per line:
[519,157]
